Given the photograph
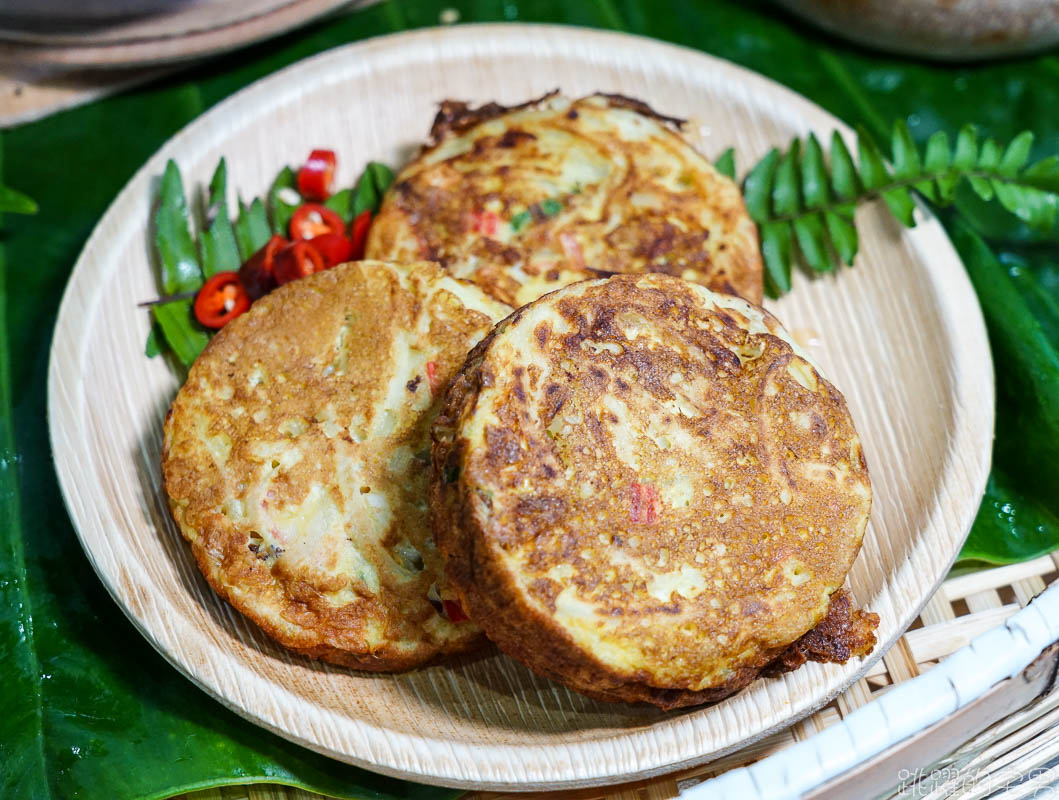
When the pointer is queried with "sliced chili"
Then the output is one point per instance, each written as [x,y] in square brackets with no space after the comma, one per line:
[334,247]
[432,377]
[296,261]
[484,222]
[312,219]
[453,611]
[359,234]
[221,299]
[315,176]
[256,274]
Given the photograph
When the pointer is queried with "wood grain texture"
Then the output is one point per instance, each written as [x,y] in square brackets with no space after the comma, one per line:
[901,335]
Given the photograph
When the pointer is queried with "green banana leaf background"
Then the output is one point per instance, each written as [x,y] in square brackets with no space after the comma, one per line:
[89,710]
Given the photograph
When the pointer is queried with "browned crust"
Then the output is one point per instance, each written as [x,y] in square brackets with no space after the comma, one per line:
[456,116]
[491,597]
[640,107]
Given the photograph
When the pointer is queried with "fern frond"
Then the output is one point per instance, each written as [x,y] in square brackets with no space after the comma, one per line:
[726,163]
[804,204]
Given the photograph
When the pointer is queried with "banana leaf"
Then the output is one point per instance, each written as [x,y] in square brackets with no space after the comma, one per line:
[88,709]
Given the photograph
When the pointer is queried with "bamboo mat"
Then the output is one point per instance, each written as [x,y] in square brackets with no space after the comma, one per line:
[1016,754]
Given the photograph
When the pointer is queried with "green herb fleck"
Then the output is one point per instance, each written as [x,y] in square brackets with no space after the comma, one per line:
[520,221]
[551,207]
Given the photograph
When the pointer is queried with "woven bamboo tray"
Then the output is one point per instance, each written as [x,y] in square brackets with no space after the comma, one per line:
[1006,742]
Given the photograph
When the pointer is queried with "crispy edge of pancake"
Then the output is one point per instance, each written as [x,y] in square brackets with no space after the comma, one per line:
[489,594]
[389,236]
[456,117]
[223,546]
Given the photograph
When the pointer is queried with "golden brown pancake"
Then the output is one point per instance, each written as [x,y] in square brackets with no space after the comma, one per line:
[296,459]
[644,490]
[525,200]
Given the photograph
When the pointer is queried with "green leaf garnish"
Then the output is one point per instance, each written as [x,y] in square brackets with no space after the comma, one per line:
[217,245]
[797,198]
[251,229]
[181,333]
[152,346]
[370,188]
[520,220]
[342,204]
[726,163]
[551,207]
[280,194]
[176,249]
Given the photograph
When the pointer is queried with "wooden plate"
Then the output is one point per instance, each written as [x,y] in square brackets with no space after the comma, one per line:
[123,33]
[901,335]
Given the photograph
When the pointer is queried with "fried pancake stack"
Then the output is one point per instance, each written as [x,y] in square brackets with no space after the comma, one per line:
[641,487]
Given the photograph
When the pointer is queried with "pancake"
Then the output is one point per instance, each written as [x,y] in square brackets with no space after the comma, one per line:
[296,459]
[645,491]
[525,200]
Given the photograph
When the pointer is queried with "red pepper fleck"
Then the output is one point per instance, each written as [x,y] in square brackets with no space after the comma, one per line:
[572,248]
[644,503]
[453,611]
[432,377]
[485,222]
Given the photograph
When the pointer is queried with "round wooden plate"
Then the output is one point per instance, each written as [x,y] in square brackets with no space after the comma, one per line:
[901,335]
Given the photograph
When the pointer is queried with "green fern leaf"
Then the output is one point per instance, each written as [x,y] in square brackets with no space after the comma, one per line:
[726,163]
[757,189]
[812,242]
[966,155]
[815,185]
[1043,175]
[873,172]
[843,174]
[982,187]
[938,155]
[901,205]
[786,195]
[843,233]
[804,203]
[937,160]
[1034,207]
[1017,154]
[776,251]
[906,157]
[989,156]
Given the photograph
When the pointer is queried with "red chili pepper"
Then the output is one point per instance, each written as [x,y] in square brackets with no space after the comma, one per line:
[359,234]
[257,274]
[296,261]
[432,377]
[221,299]
[334,247]
[312,220]
[453,611]
[314,178]
[484,222]
[644,503]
